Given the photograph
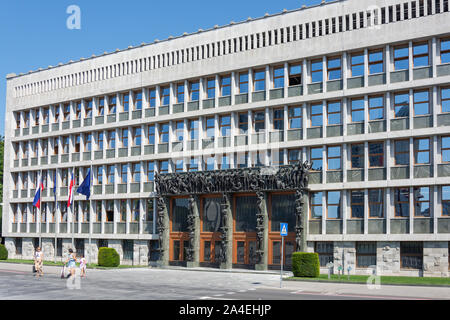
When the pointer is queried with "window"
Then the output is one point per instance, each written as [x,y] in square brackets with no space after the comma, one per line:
[334,158]
[445,200]
[164,133]
[192,165]
[78,110]
[211,88]
[124,173]
[243,123]
[401,202]
[193,129]
[152,98]
[401,151]
[376,108]
[325,251]
[259,82]
[376,62]
[150,171]
[420,55]
[278,119]
[259,121]
[123,210]
[99,175]
[316,115]
[210,163]
[445,149]
[225,86]
[210,127]
[111,139]
[278,77]
[101,107]
[316,205]
[225,126]
[401,58]
[411,255]
[421,103]
[36,117]
[376,154]
[316,71]
[88,142]
[124,138]
[295,75]
[295,117]
[401,105]
[294,156]
[445,99]
[422,151]
[180,93]
[112,104]
[243,82]
[317,158]
[242,160]
[194,91]
[357,106]
[137,135]
[88,110]
[334,204]
[179,130]
[334,68]
[109,211]
[334,113]
[422,202]
[376,207]
[357,64]
[165,96]
[151,135]
[125,102]
[357,204]
[445,50]
[65,145]
[366,254]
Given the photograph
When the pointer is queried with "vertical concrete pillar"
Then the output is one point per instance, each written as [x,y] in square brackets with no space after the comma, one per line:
[264,231]
[164,232]
[194,226]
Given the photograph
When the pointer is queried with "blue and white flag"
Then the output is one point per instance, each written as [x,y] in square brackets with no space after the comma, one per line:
[85,187]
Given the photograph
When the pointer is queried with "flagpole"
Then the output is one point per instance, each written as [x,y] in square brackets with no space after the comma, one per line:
[90,231]
[73,213]
[40,210]
[54,215]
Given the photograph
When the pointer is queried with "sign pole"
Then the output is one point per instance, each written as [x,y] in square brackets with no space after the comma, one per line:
[283,233]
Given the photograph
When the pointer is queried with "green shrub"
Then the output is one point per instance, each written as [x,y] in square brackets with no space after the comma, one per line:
[108,257]
[3,253]
[305,264]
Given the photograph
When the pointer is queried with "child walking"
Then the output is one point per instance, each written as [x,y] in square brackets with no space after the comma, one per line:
[83,264]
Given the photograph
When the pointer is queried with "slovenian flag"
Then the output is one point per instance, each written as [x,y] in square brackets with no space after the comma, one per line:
[37,196]
[72,182]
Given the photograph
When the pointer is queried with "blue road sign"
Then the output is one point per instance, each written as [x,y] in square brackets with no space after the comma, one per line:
[284,229]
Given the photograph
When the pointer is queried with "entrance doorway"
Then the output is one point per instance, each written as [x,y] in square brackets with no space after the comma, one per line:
[244,231]
[210,235]
[179,236]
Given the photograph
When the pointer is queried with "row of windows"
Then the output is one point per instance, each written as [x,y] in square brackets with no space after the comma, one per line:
[272,37]
[329,203]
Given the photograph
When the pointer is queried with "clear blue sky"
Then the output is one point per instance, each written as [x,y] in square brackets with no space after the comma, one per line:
[33,33]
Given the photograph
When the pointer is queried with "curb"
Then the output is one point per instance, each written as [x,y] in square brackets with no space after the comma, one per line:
[381,283]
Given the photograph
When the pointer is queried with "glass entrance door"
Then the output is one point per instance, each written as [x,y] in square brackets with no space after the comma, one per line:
[244,235]
[179,235]
[210,226]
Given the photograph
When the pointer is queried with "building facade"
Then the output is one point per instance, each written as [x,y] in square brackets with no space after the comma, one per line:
[360,89]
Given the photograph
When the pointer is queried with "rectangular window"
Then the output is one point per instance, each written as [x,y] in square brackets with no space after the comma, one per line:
[316,115]
[193,129]
[357,204]
[422,202]
[99,175]
[243,83]
[225,126]
[123,210]
[243,123]
[316,205]
[420,55]
[124,173]
[422,148]
[446,201]
[225,86]
[376,64]
[334,158]
[259,81]
[295,117]
[137,137]
[401,152]
[192,165]
[150,171]
[357,106]
[316,157]
[401,58]
[401,202]
[295,75]
[411,255]
[180,93]
[210,127]
[366,254]
[421,103]
[111,139]
[165,96]
[334,113]
[151,135]
[357,64]
[125,102]
[179,165]
[334,68]
[333,204]
[376,154]
[101,107]
[88,142]
[445,149]
[278,119]
[179,130]
[278,77]
[376,108]
[445,100]
[88,109]
[124,138]
[294,156]
[376,203]
[164,133]
[316,71]
[357,154]
[78,110]
[325,251]
[152,98]
[401,105]
[210,163]
[445,51]
[259,121]
[242,160]
[112,103]
[211,88]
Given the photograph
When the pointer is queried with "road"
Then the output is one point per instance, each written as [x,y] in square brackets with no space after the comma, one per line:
[17,283]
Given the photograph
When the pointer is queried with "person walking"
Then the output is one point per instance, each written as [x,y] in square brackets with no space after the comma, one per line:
[39,262]
[83,266]
[71,262]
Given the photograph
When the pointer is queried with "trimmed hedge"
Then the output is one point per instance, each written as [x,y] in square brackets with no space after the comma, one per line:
[108,257]
[3,252]
[305,265]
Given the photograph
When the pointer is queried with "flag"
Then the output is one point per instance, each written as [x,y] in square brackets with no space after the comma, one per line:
[72,182]
[37,196]
[85,187]
[54,185]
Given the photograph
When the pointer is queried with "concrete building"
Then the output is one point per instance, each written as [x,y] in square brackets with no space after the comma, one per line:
[360,88]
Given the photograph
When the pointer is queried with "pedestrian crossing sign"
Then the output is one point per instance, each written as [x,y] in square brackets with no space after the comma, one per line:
[284,229]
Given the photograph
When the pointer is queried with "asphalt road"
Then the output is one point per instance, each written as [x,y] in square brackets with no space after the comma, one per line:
[18,283]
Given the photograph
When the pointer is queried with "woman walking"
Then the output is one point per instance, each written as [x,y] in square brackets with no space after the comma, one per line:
[71,262]
[38,262]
